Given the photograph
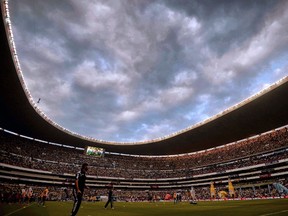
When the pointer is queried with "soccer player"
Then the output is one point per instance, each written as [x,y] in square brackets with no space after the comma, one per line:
[44,196]
[30,194]
[192,196]
[175,197]
[66,194]
[78,189]
[23,195]
[110,199]
[150,197]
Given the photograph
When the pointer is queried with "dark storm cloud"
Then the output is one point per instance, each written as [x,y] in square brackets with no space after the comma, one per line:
[227,23]
[135,70]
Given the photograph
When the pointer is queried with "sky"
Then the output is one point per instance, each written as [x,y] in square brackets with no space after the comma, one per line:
[136,70]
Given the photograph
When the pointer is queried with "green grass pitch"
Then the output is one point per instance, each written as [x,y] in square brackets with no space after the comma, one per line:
[276,207]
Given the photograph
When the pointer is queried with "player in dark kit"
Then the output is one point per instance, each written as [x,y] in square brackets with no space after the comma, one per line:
[78,189]
[110,199]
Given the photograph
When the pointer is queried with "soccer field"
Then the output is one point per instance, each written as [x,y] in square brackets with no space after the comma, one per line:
[275,207]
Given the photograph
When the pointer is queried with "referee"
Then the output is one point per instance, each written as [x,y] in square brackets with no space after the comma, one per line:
[79,188]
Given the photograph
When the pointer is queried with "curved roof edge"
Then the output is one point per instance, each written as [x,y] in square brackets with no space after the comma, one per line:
[264,111]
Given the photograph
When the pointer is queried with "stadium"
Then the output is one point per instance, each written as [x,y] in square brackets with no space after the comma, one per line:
[235,162]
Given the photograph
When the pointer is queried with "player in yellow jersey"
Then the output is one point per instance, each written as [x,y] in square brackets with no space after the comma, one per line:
[175,197]
[44,196]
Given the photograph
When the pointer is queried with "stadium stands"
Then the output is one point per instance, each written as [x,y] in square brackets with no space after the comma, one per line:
[252,164]
[260,160]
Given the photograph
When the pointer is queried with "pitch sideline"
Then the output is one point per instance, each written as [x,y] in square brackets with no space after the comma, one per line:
[274,213]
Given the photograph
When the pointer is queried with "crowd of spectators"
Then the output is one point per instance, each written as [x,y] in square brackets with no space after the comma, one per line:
[36,155]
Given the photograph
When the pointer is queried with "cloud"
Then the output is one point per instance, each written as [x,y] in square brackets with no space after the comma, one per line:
[88,76]
[137,70]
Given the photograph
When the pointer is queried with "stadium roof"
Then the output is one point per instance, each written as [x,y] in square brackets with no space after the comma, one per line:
[263,112]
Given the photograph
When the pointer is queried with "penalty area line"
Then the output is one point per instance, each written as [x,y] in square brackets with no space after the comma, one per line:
[274,213]
[18,210]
